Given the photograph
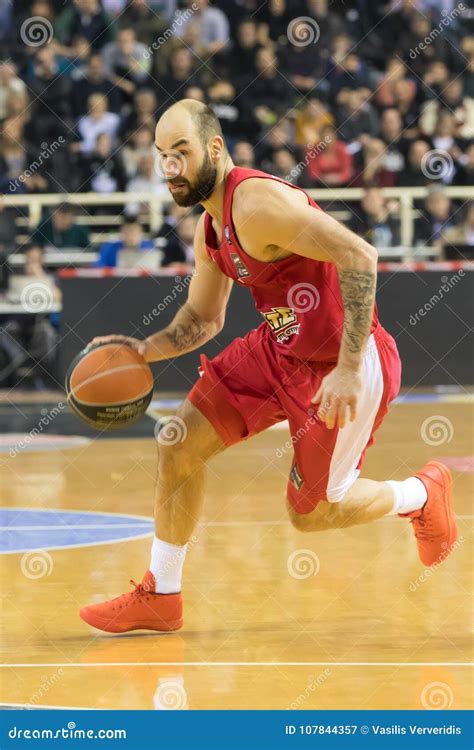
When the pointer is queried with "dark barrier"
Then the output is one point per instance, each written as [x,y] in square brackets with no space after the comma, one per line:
[429,312]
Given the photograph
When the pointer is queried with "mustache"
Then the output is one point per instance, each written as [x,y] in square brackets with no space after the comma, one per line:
[178,181]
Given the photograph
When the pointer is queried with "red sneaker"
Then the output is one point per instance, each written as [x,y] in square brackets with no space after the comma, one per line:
[140,609]
[435,524]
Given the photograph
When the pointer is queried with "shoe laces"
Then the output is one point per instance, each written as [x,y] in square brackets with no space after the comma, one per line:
[424,527]
[139,590]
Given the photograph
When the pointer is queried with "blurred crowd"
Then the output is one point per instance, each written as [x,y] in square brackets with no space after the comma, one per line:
[368,93]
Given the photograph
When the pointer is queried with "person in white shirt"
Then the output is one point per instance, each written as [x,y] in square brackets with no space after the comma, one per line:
[97,121]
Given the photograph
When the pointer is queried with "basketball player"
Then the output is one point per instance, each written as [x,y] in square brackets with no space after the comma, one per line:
[320,359]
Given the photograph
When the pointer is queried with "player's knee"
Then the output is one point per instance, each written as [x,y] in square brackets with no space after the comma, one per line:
[175,451]
[314,521]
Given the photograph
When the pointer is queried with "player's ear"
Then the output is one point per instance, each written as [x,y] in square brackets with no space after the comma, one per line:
[216,147]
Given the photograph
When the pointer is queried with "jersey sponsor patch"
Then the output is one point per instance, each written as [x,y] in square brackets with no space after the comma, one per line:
[242,271]
[283,322]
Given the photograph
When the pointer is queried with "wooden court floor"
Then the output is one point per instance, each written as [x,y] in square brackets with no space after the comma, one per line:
[273,618]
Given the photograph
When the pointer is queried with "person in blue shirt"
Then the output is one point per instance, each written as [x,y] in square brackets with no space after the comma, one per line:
[131,239]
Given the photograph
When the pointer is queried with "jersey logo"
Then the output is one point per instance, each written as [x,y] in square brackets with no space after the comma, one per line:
[283,322]
[227,234]
[295,478]
[242,271]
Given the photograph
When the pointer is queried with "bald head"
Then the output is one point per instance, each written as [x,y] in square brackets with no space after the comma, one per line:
[192,150]
[194,115]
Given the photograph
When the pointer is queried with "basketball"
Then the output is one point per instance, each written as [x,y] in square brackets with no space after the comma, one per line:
[109,386]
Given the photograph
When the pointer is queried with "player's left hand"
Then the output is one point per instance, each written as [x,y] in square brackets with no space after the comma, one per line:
[338,395]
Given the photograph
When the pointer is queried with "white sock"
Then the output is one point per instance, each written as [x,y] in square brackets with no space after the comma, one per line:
[167,566]
[409,495]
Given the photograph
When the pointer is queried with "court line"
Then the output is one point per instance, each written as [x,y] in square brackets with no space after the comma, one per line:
[73,527]
[203,524]
[43,665]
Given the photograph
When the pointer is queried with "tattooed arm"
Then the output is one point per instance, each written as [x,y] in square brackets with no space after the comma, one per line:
[197,321]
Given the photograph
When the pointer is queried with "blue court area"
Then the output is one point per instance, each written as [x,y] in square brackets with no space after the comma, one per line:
[24,529]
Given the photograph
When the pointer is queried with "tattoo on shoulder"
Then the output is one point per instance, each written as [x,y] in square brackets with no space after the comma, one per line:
[358,294]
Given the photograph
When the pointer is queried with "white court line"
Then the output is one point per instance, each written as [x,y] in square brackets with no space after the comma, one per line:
[73,527]
[44,665]
[204,524]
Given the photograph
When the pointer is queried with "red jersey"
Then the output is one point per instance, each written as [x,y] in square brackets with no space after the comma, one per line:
[299,298]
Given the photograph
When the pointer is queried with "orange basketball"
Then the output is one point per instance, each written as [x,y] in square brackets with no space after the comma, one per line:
[109,386]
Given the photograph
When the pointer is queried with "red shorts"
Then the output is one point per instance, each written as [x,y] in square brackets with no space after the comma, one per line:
[250,386]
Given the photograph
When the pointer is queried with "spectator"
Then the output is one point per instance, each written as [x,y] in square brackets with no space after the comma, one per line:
[103,169]
[311,121]
[16,158]
[10,84]
[275,16]
[32,337]
[85,18]
[98,120]
[357,120]
[395,70]
[451,100]
[284,166]
[243,155]
[375,221]
[206,29]
[458,240]
[245,47]
[126,58]
[94,81]
[435,219]
[60,231]
[180,245]
[141,143]
[147,22]
[180,73]
[221,96]
[131,240]
[344,68]
[374,172]
[51,95]
[330,166]
[415,173]
[396,144]
[269,94]
[465,168]
[148,180]
[144,112]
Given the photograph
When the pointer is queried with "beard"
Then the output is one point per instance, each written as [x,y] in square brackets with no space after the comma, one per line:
[195,192]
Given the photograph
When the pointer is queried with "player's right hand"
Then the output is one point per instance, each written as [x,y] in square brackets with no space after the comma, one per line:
[136,344]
